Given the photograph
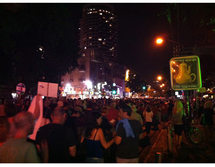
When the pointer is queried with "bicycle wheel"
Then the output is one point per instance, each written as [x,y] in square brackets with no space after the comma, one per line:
[195,135]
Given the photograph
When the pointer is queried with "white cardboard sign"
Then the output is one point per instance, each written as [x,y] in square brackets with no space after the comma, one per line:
[47,89]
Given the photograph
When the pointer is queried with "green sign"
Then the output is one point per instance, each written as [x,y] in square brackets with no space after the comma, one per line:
[185,73]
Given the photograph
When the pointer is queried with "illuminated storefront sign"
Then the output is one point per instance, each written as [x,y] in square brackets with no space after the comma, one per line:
[185,73]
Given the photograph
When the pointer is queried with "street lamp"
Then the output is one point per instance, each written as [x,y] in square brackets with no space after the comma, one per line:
[176,45]
[159,78]
[159,41]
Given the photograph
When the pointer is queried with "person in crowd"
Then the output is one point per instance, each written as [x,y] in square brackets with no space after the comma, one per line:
[156,118]
[134,114]
[164,114]
[36,108]
[177,120]
[127,137]
[2,110]
[95,140]
[4,129]
[55,142]
[148,115]
[112,113]
[208,119]
[17,149]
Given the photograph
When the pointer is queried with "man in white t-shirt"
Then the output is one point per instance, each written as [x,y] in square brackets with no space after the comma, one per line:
[148,115]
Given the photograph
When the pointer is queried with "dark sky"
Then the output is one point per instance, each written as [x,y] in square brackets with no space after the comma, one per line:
[32,25]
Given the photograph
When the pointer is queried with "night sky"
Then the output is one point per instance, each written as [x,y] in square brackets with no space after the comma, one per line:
[25,27]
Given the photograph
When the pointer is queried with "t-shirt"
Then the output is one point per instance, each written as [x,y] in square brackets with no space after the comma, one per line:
[128,148]
[59,140]
[18,151]
[136,116]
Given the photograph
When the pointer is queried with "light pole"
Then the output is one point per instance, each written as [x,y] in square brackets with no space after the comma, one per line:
[159,41]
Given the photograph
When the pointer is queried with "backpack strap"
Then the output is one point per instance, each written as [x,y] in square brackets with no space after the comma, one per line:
[95,134]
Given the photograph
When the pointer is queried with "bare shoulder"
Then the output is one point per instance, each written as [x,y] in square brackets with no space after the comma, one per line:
[100,130]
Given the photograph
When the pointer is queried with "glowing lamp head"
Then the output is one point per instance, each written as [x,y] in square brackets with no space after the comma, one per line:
[159,78]
[159,41]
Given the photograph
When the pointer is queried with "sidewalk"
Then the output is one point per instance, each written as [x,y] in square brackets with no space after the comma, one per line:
[159,146]
[146,153]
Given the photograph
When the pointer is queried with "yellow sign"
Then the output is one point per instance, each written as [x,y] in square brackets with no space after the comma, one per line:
[127,75]
[185,73]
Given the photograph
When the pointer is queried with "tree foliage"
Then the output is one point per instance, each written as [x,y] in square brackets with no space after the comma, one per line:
[135,83]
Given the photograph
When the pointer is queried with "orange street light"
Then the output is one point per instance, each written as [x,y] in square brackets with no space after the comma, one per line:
[159,41]
[159,77]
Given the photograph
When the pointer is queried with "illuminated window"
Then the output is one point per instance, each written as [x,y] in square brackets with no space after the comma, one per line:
[111,48]
[90,28]
[110,25]
[106,21]
[100,13]
[99,39]
[103,17]
[85,47]
[90,37]
[103,43]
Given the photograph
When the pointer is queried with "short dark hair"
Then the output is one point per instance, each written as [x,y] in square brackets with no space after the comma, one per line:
[22,119]
[125,108]
[58,111]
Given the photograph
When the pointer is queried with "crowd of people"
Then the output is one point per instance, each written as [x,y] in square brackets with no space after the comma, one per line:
[90,130]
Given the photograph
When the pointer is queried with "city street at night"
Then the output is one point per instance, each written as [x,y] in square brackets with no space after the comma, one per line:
[107,82]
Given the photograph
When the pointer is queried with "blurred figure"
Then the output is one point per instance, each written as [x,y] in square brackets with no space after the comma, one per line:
[36,108]
[208,119]
[17,149]
[177,119]
[2,112]
[134,114]
[148,115]
[112,114]
[4,129]
[55,142]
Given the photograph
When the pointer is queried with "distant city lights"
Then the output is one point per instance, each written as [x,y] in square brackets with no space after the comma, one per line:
[89,84]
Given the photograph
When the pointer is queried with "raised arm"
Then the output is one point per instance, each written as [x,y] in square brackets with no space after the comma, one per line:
[103,141]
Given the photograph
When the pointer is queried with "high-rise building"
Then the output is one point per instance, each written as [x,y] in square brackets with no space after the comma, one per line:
[98,32]
[98,48]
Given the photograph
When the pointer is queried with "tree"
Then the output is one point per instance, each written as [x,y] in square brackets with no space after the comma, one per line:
[193,26]
[136,83]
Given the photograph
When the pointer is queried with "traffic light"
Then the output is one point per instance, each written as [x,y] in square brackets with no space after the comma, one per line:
[144,87]
[114,90]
